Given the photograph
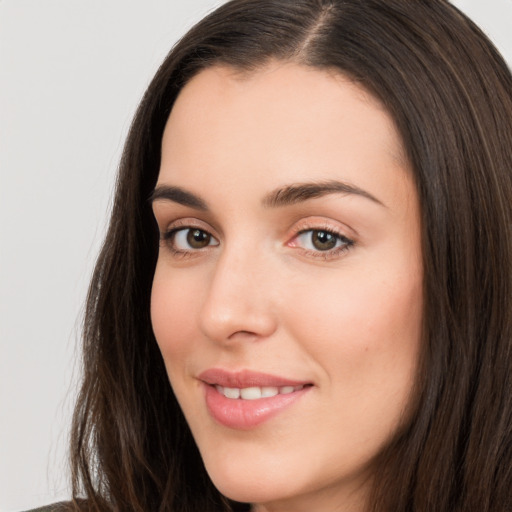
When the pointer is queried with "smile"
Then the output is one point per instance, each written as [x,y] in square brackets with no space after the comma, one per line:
[255,392]
[247,399]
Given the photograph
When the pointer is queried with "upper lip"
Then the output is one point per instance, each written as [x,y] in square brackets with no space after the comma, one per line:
[246,379]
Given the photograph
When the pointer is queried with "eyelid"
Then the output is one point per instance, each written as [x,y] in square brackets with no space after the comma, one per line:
[169,215]
[188,222]
[322,224]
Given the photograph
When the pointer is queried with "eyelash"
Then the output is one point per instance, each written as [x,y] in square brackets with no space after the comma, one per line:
[169,238]
[342,243]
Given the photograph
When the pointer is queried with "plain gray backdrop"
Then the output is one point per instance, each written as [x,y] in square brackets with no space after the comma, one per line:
[71,75]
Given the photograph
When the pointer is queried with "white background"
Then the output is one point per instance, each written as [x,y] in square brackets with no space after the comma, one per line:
[71,75]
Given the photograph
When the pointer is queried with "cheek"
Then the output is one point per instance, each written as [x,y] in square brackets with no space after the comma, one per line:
[365,309]
[173,315]
[364,333]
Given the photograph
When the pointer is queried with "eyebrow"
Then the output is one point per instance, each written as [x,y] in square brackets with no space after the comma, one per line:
[299,192]
[178,195]
[283,196]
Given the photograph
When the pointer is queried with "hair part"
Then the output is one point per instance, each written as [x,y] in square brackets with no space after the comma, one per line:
[450,95]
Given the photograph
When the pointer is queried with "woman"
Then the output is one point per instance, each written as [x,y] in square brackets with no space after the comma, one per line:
[327,284]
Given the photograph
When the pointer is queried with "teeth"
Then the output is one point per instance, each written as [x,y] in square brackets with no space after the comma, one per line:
[232,393]
[250,393]
[255,392]
[269,391]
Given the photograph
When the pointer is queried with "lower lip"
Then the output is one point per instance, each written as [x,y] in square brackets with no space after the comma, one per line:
[246,414]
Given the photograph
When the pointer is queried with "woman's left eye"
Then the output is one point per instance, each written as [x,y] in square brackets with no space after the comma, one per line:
[322,241]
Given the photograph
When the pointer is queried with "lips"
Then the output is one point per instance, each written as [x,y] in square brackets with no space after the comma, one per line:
[246,399]
[246,379]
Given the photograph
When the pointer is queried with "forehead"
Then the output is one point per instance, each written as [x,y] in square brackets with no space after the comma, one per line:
[282,123]
[277,90]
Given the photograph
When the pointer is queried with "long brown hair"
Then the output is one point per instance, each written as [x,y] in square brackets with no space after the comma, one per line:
[450,94]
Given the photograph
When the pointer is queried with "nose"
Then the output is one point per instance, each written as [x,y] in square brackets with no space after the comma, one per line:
[239,300]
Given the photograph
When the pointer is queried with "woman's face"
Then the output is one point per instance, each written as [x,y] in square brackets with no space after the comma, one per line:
[287,297]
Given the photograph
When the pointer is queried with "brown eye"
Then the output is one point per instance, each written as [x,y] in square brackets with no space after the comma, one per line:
[190,239]
[323,240]
[197,238]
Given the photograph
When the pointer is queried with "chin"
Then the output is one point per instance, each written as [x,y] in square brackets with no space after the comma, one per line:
[253,483]
[254,491]
[249,492]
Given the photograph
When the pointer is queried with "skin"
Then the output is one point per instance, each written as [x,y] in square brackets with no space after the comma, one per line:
[261,295]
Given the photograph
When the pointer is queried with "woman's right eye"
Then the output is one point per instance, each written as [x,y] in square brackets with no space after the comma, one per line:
[183,240]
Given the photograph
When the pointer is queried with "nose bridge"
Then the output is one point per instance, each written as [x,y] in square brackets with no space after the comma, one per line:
[239,296]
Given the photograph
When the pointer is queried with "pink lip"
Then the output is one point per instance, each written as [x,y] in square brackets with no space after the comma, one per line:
[246,414]
[245,379]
